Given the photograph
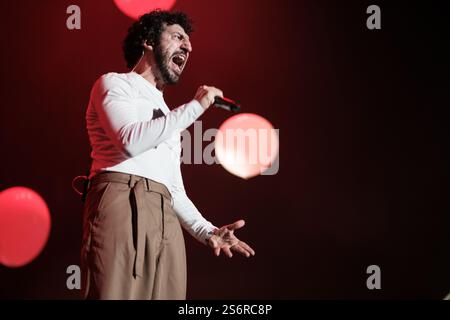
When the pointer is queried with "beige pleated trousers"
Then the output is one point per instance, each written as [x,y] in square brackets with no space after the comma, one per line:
[133,246]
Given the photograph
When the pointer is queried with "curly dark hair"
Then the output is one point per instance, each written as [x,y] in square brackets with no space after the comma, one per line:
[149,28]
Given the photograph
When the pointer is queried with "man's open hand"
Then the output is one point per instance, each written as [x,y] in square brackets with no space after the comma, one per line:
[224,239]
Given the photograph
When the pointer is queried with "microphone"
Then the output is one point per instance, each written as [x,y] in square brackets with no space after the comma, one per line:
[226,104]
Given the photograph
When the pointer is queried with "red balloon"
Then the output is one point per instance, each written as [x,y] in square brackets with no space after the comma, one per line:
[246,145]
[24,226]
[135,8]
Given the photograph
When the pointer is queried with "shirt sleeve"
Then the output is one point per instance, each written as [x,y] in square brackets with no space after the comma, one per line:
[189,216]
[113,99]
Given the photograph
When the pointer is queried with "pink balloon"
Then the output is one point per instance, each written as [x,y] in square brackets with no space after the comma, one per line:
[135,8]
[246,145]
[24,226]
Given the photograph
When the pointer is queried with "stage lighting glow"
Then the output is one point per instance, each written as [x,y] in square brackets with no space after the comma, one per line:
[24,226]
[135,8]
[246,145]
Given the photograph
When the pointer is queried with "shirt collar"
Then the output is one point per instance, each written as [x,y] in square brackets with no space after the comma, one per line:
[145,83]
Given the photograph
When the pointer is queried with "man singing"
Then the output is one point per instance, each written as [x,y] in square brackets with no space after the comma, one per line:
[133,246]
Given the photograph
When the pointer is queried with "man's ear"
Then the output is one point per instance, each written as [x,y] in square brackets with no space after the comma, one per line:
[147,45]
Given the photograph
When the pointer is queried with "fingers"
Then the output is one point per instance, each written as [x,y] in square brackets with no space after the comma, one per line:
[236,225]
[218,92]
[227,251]
[212,93]
[217,251]
[246,247]
[213,90]
[213,243]
[229,243]
[241,250]
[206,95]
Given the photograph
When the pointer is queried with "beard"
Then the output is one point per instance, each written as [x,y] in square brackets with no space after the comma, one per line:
[162,61]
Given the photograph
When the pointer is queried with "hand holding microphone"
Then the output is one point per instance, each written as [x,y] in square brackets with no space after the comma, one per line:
[208,96]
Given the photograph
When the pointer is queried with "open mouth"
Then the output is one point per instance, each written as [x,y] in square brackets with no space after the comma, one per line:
[179,61]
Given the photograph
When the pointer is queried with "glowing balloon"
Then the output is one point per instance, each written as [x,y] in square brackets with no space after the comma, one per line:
[24,226]
[135,8]
[246,145]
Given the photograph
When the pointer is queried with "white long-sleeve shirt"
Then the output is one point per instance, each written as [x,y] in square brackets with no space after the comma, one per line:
[131,130]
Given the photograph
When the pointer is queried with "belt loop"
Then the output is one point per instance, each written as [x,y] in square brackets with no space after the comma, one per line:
[147,184]
[162,211]
[132,181]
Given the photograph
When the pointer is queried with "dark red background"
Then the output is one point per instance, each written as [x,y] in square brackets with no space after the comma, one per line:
[364,175]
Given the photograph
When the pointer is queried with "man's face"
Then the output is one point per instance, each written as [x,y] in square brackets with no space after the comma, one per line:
[172,53]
